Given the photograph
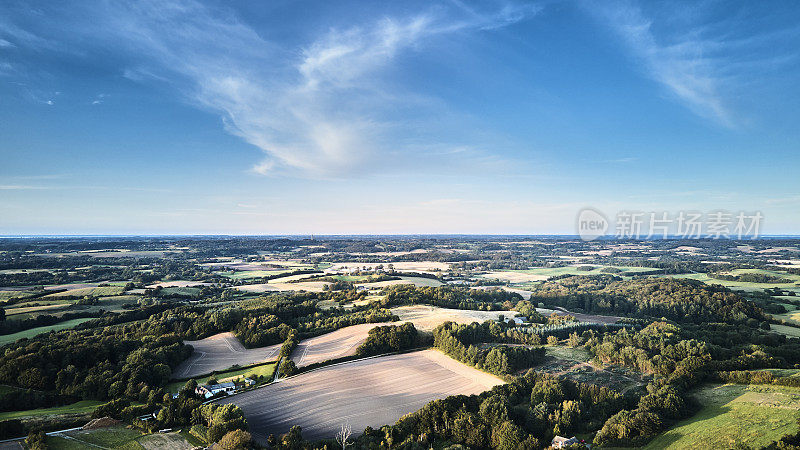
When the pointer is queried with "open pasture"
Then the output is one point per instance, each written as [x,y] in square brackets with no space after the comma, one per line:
[59,308]
[83,406]
[785,330]
[99,291]
[793,315]
[750,416]
[746,285]
[427,318]
[9,338]
[369,392]
[336,344]
[16,295]
[220,352]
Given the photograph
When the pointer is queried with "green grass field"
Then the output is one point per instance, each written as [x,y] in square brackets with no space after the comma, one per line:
[783,372]
[8,338]
[746,286]
[265,370]
[793,314]
[13,295]
[785,330]
[182,291]
[562,352]
[94,291]
[83,406]
[59,308]
[752,415]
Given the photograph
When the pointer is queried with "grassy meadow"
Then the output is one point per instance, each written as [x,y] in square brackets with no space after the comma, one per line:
[753,415]
[8,338]
[81,407]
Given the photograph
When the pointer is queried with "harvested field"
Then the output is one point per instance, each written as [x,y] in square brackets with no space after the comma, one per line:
[258,288]
[429,317]
[416,281]
[369,392]
[403,266]
[310,286]
[220,352]
[34,309]
[526,295]
[336,344]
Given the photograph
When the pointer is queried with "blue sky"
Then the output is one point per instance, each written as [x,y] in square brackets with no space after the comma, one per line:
[235,117]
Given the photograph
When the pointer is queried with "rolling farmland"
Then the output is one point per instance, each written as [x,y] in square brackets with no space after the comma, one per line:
[336,344]
[426,317]
[220,352]
[369,392]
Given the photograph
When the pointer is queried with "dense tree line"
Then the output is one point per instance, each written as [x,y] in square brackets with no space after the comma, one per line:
[449,297]
[681,300]
[681,357]
[749,277]
[463,343]
[390,338]
[22,399]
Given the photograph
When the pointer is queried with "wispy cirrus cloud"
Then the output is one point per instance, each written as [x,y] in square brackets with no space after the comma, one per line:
[700,63]
[683,66]
[321,110]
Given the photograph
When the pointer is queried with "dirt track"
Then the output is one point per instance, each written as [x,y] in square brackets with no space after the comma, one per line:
[336,344]
[220,352]
[372,392]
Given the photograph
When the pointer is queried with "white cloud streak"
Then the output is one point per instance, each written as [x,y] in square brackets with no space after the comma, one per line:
[685,65]
[322,113]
